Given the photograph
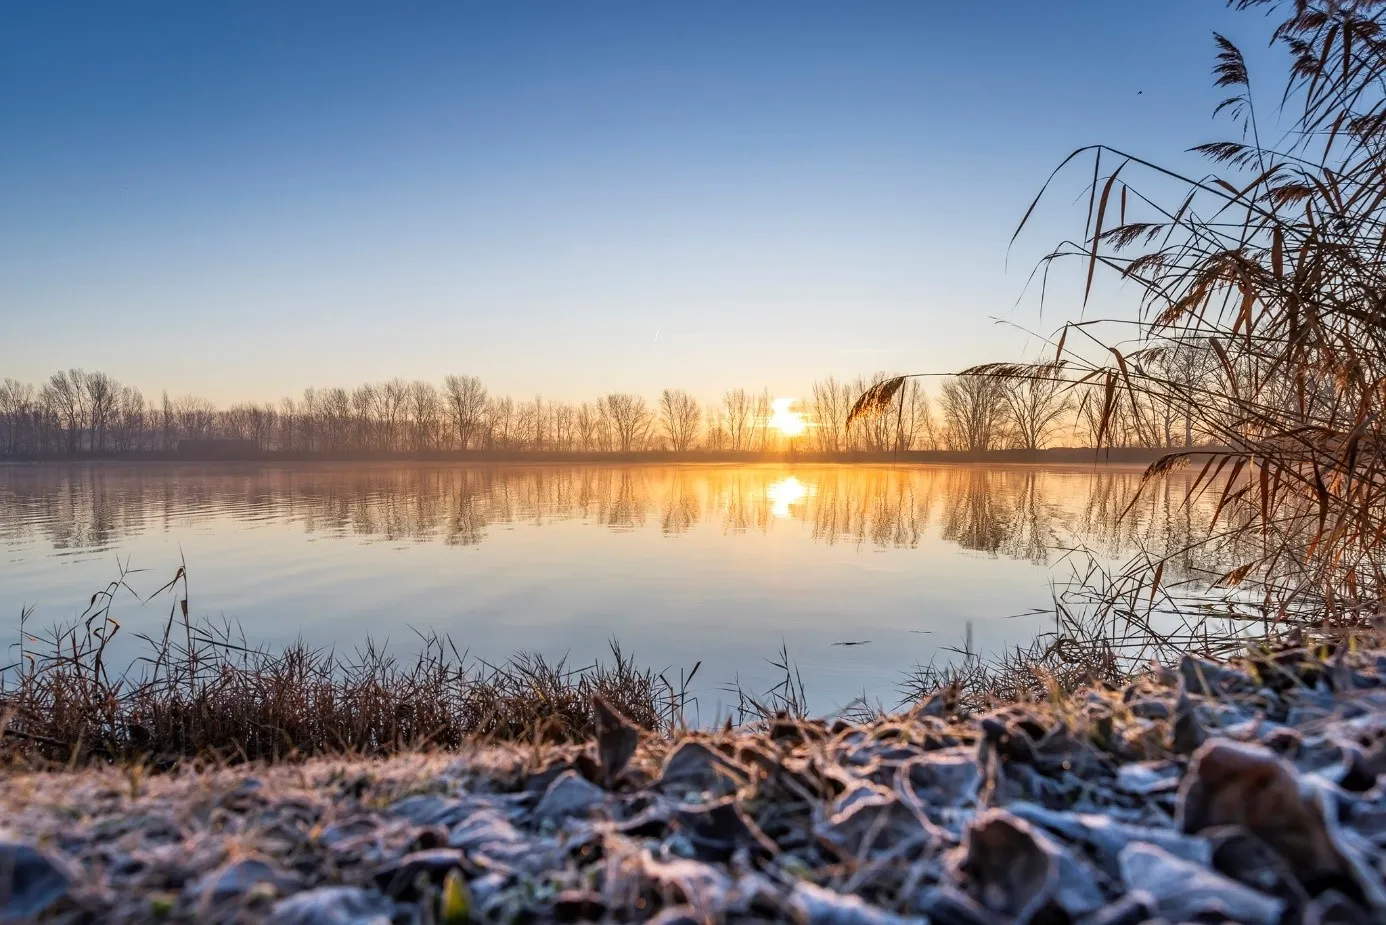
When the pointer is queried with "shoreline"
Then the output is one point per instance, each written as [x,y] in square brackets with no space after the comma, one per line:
[1059,457]
[1167,796]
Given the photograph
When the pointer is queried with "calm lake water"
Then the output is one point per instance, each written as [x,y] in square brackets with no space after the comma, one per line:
[718,564]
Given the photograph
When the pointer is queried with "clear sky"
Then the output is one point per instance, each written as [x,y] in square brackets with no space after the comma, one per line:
[241,199]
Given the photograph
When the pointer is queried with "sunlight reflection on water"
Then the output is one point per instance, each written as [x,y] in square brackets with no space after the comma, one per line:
[681,563]
[784,494]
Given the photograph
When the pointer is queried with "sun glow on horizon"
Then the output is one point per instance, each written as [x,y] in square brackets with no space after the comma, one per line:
[788,422]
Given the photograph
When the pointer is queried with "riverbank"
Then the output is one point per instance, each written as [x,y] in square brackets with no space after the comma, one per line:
[1088,456]
[1251,790]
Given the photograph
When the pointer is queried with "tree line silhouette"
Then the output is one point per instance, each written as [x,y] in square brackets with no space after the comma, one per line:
[76,412]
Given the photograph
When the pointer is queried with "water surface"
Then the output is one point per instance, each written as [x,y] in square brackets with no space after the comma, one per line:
[718,564]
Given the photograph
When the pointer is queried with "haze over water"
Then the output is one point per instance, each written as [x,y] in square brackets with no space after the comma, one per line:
[681,564]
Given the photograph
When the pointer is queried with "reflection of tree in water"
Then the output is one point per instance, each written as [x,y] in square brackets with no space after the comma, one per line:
[1017,512]
[1100,519]
[464,513]
[1031,534]
[975,514]
[1162,521]
[623,507]
[77,508]
[887,507]
[742,497]
[680,508]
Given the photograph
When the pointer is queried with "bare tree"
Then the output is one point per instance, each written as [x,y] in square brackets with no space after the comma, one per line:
[714,429]
[540,436]
[363,415]
[679,414]
[527,425]
[128,422]
[761,419]
[64,394]
[337,418]
[100,392]
[425,413]
[630,420]
[738,417]
[466,401]
[238,421]
[247,421]
[830,403]
[588,423]
[194,416]
[914,425]
[17,411]
[289,426]
[500,417]
[266,424]
[873,433]
[900,425]
[167,422]
[390,399]
[1035,405]
[563,419]
[1188,367]
[974,412]
[308,421]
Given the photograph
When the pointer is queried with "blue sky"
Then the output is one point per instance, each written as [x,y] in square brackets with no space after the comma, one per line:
[243,199]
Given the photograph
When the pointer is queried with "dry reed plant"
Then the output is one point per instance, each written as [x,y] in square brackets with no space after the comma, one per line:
[1263,321]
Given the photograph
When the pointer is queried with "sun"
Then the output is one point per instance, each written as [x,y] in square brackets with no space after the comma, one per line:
[787,422]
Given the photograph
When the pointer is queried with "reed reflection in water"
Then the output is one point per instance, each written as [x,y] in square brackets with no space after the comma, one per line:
[681,563]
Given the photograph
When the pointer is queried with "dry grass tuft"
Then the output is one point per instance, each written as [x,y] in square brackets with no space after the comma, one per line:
[201,692]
